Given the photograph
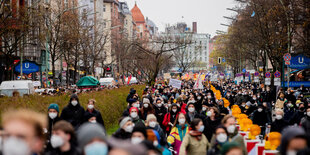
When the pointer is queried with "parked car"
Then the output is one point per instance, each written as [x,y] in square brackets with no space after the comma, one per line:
[107,81]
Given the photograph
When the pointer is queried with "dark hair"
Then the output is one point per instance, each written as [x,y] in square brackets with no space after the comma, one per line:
[221,127]
[194,123]
[67,128]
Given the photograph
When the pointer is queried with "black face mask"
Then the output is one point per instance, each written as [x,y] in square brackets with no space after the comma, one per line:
[302,109]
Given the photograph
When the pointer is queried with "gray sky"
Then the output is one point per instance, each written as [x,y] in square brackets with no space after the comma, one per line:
[207,13]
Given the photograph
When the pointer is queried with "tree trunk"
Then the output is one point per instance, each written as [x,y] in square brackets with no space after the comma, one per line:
[53,71]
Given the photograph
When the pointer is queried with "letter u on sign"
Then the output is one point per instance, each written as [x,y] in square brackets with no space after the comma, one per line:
[26,65]
[301,60]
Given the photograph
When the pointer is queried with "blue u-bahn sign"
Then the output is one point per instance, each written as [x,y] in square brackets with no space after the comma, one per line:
[28,67]
[300,62]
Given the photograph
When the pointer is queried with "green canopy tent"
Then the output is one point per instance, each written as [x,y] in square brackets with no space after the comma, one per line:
[87,81]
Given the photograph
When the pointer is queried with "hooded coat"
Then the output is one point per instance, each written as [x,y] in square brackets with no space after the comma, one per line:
[73,114]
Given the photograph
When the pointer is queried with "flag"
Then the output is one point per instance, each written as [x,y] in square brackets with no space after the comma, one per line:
[198,83]
[253,14]
[128,81]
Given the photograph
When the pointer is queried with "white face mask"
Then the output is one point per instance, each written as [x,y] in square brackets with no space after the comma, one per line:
[129,128]
[259,109]
[308,113]
[182,121]
[174,110]
[136,140]
[209,113]
[198,97]
[169,105]
[152,124]
[201,128]
[221,138]
[56,141]
[133,114]
[291,152]
[10,144]
[204,108]
[74,103]
[90,106]
[146,105]
[159,104]
[93,121]
[191,109]
[231,129]
[278,117]
[52,115]
[136,105]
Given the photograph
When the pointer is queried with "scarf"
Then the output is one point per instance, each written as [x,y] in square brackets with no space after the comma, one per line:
[196,134]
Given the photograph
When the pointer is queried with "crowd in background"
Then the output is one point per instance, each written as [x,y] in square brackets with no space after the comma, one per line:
[164,120]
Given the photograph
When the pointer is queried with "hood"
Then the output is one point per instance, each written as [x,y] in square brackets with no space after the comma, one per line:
[74,96]
[288,134]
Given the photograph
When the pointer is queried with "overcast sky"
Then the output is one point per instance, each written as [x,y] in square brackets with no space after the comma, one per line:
[207,13]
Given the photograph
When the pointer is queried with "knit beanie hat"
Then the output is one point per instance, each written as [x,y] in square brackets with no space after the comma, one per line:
[140,128]
[54,106]
[88,132]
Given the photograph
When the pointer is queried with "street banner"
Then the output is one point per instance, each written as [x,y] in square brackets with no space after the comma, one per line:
[277,81]
[198,83]
[175,83]
[267,81]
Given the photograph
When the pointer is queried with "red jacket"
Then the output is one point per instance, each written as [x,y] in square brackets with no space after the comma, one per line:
[167,120]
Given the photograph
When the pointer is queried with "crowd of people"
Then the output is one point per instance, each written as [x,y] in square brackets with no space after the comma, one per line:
[164,120]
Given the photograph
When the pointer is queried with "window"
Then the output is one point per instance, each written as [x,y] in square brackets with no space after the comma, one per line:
[66,3]
[104,7]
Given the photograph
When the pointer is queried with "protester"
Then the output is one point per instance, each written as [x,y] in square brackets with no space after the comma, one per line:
[178,132]
[229,122]
[138,134]
[53,116]
[231,148]
[195,142]
[133,111]
[151,123]
[213,120]
[63,140]
[91,111]
[279,123]
[221,137]
[73,112]
[170,117]
[160,111]
[147,108]
[92,139]
[305,123]
[293,140]
[23,132]
[126,127]
[191,112]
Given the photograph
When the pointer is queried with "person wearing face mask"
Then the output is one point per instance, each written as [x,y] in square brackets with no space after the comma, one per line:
[290,95]
[211,122]
[63,140]
[239,97]
[261,118]
[281,101]
[178,133]
[131,103]
[160,112]
[23,132]
[92,111]
[289,111]
[151,123]
[92,139]
[279,123]
[305,122]
[293,139]
[195,142]
[170,117]
[298,115]
[223,111]
[221,137]
[204,109]
[138,134]
[191,112]
[126,126]
[133,112]
[73,112]
[147,108]
[53,117]
[229,122]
